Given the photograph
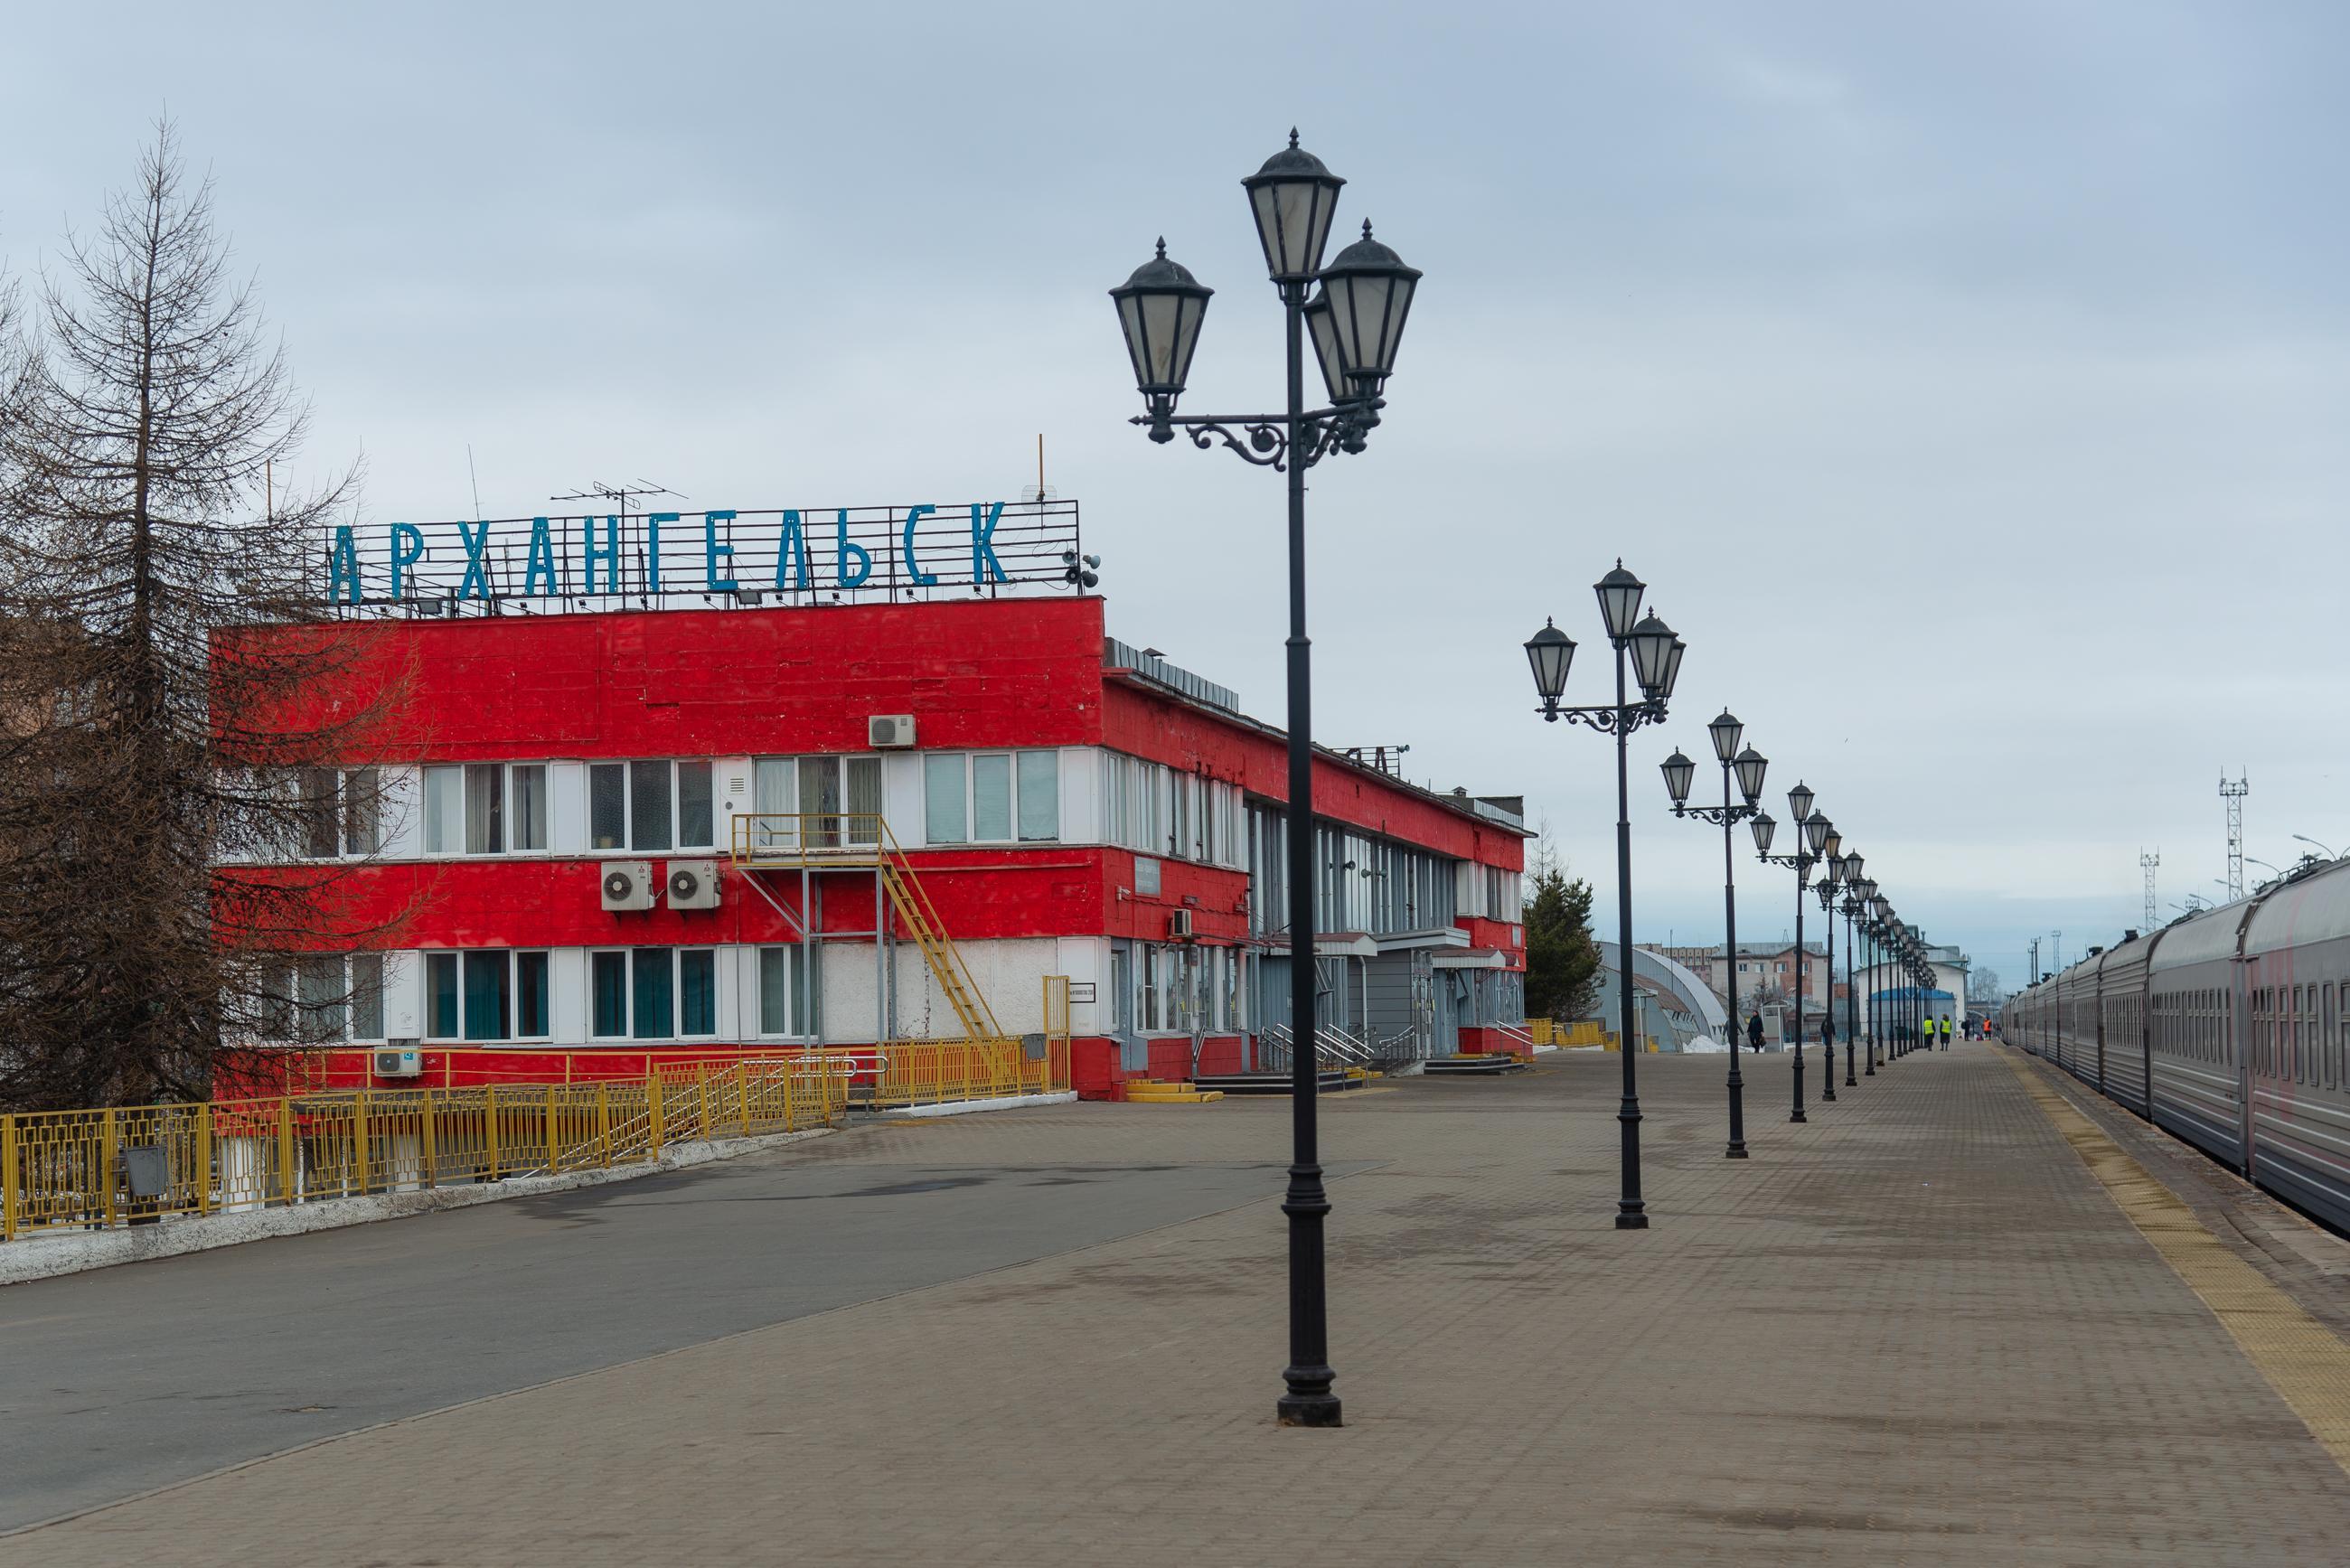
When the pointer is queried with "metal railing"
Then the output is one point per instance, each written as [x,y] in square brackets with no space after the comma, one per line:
[95,1170]
[1334,1051]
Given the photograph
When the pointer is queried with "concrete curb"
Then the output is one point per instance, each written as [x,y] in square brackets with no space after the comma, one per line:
[43,1257]
[967,1108]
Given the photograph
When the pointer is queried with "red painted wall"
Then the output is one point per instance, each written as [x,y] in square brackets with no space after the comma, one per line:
[659,683]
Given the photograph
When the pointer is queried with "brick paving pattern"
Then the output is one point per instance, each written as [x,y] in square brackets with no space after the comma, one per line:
[1915,1330]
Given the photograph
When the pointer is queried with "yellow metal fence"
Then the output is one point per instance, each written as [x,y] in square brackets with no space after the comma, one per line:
[1550,1031]
[93,1169]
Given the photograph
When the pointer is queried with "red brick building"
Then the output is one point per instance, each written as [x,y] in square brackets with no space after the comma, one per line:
[1068,806]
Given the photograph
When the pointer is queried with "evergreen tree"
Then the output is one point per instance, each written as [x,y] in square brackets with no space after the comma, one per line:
[1562,957]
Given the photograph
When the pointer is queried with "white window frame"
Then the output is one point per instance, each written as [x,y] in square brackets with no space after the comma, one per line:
[676,991]
[513,957]
[506,816]
[964,761]
[799,1002]
[677,846]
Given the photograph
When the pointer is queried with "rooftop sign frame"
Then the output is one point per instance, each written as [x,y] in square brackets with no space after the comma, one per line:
[669,560]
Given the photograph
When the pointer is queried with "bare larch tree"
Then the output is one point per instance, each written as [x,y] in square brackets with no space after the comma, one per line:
[182,796]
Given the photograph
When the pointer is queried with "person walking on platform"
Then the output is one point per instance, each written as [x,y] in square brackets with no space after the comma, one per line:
[1755,1029]
[1946,1034]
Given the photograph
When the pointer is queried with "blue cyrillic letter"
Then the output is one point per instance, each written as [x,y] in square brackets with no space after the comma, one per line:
[985,567]
[913,566]
[343,569]
[475,582]
[609,555]
[410,535]
[541,566]
[791,550]
[711,549]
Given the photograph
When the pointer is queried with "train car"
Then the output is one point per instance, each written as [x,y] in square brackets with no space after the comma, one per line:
[2124,1059]
[2296,983]
[2195,990]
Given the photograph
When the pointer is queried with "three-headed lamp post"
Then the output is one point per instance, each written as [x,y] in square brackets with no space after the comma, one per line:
[1749,766]
[1356,322]
[1654,654]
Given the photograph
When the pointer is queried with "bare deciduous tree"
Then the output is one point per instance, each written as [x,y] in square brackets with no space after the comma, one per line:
[158,760]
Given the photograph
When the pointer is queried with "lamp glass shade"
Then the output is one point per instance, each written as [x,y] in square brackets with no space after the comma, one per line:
[1725,730]
[1679,770]
[1371,299]
[1751,765]
[1833,843]
[1293,198]
[1323,334]
[1799,802]
[1672,670]
[1619,601]
[1551,652]
[1652,647]
[1854,864]
[1816,828]
[1159,309]
[1763,829]
[1836,871]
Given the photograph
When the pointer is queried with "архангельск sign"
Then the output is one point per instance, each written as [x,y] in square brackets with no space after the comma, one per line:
[791,553]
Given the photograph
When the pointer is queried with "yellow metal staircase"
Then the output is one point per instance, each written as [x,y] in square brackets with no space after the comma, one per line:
[861,841]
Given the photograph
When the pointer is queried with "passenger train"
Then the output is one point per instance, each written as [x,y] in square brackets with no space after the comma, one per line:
[2226,1027]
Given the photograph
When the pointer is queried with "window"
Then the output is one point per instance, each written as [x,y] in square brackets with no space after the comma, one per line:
[483,808]
[485,993]
[652,993]
[338,812]
[652,807]
[784,1005]
[840,800]
[992,797]
[527,806]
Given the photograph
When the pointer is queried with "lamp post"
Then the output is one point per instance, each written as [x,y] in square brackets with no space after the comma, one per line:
[1655,654]
[1356,323]
[1814,830]
[1853,862]
[1831,853]
[1749,766]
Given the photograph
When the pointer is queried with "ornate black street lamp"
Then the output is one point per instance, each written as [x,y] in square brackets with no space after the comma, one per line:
[1749,766]
[1853,862]
[1356,323]
[1831,882]
[1655,654]
[1815,830]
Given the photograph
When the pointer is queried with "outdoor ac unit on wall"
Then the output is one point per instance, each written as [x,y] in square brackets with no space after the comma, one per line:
[627,885]
[693,884]
[1179,925]
[398,1064]
[885,730]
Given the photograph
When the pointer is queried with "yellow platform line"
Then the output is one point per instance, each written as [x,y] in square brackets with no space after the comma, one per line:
[2306,1362]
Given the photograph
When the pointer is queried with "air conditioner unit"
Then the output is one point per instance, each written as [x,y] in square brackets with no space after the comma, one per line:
[693,884]
[627,885]
[398,1064]
[890,730]
[1179,925]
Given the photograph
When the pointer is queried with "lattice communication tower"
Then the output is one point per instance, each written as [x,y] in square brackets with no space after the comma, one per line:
[2233,794]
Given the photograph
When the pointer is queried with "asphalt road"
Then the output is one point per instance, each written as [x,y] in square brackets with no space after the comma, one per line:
[119,1381]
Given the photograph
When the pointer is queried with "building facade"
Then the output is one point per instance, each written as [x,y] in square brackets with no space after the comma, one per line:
[762,782]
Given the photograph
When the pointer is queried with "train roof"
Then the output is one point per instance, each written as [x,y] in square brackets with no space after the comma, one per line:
[2308,907]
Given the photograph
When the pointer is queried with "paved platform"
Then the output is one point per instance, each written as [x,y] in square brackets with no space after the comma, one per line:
[1917,1330]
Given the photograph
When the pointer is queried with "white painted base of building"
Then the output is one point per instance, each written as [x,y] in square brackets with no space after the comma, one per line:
[967,1108]
[72,1252]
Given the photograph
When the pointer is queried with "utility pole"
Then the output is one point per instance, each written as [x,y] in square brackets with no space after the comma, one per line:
[2233,794]
[2147,863]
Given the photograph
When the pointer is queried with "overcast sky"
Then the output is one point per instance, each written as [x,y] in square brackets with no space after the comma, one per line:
[1969,382]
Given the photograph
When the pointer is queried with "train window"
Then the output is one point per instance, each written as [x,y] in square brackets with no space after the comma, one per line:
[2326,1022]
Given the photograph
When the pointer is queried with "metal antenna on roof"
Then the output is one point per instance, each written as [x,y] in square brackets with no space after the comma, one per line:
[618,496]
